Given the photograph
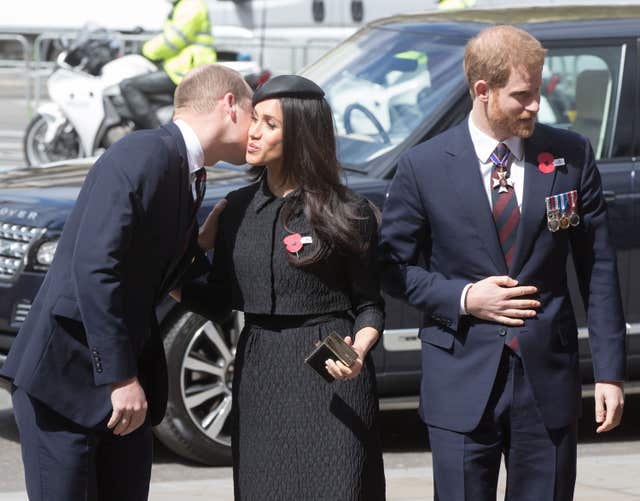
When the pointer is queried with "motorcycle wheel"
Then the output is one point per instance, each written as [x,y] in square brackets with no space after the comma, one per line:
[200,360]
[38,152]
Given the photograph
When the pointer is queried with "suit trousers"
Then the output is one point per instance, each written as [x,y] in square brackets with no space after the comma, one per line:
[64,461]
[540,463]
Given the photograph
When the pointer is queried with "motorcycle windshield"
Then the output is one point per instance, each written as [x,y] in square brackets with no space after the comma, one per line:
[384,86]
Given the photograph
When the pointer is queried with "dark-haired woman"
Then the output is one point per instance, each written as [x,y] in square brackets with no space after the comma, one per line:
[295,252]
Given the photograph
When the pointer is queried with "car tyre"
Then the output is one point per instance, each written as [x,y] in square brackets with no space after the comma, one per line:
[200,357]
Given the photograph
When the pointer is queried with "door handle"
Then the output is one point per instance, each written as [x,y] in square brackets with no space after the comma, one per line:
[609,196]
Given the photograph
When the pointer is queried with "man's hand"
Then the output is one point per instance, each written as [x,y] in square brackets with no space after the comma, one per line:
[209,229]
[609,404]
[129,407]
[496,299]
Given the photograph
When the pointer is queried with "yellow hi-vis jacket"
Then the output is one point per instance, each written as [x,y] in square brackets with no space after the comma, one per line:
[455,4]
[185,41]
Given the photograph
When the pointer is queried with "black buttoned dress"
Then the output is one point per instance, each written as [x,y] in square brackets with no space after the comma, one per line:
[295,437]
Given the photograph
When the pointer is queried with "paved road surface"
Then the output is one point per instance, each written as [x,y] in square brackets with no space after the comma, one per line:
[608,466]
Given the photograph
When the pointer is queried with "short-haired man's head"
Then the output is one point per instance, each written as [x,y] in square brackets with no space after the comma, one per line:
[495,51]
[203,86]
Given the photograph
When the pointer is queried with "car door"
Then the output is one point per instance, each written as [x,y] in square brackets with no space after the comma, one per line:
[590,87]
[633,309]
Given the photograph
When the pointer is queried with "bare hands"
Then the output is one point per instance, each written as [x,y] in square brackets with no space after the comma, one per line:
[209,229]
[129,407]
[496,299]
[340,371]
[609,404]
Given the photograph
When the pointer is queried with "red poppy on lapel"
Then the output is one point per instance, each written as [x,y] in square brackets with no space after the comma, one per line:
[293,242]
[545,162]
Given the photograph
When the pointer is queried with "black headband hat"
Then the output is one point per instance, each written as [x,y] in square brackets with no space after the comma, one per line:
[287,86]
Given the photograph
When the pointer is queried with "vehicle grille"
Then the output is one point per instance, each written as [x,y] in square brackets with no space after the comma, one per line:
[21,312]
[15,241]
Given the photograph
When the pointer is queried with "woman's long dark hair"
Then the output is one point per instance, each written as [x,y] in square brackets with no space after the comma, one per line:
[334,212]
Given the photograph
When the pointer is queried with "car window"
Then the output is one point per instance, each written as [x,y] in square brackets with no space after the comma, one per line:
[383,85]
[580,92]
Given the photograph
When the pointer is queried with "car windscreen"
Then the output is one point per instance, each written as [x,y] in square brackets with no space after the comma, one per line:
[383,85]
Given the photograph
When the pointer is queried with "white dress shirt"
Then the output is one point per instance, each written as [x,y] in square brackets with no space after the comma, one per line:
[484,146]
[195,155]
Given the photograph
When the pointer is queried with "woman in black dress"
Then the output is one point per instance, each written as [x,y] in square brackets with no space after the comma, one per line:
[296,252]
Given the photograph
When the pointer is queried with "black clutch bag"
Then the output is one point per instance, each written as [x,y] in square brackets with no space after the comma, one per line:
[333,347]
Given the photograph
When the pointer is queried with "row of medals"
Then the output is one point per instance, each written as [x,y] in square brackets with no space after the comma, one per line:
[561,220]
[556,221]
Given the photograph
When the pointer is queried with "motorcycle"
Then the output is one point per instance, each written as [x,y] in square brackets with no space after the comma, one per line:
[87,112]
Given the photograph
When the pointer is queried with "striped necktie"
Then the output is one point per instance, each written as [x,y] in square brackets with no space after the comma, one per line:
[506,214]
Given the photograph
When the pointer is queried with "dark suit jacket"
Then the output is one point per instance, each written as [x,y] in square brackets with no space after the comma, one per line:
[92,323]
[437,209]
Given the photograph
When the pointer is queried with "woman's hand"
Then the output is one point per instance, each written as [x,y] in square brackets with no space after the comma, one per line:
[365,338]
[209,229]
[340,371]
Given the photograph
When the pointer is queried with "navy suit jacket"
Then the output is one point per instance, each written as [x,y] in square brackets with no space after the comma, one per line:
[438,234]
[92,323]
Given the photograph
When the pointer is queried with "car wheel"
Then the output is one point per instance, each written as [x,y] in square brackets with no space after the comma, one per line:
[200,360]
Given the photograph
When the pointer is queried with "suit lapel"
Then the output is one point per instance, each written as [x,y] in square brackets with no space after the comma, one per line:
[185,197]
[464,171]
[185,200]
[537,186]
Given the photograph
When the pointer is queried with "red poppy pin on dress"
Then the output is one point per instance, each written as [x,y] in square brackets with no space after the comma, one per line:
[295,241]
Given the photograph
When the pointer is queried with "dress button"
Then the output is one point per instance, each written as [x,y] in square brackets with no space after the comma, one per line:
[502,331]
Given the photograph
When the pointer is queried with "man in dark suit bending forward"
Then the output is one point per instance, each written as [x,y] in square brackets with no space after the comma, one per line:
[88,367]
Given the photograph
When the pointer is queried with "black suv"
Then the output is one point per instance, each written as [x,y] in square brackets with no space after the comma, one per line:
[395,83]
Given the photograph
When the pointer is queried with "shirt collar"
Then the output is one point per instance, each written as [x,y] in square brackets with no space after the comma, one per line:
[484,144]
[195,155]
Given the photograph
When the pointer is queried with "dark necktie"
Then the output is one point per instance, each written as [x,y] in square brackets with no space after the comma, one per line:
[506,214]
[201,187]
